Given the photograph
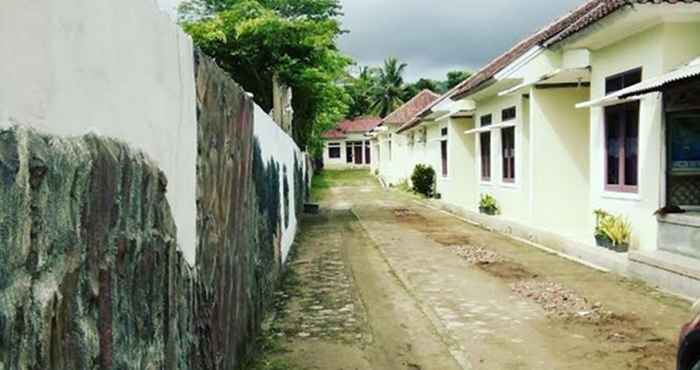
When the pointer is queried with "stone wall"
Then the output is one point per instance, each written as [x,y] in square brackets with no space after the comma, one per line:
[91,276]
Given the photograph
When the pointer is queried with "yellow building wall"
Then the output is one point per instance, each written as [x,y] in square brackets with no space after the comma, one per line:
[560,163]
[513,199]
[657,50]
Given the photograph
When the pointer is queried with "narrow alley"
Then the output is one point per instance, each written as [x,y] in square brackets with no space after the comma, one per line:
[379,280]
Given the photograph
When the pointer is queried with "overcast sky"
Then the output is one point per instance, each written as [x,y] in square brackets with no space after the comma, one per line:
[436,36]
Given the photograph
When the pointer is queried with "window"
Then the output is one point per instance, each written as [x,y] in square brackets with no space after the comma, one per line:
[348,153]
[508,114]
[508,153]
[485,147]
[443,154]
[388,152]
[621,147]
[368,153]
[334,150]
[623,80]
[485,143]
[486,120]
[443,131]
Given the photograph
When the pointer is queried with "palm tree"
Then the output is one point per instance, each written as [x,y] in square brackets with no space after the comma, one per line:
[389,89]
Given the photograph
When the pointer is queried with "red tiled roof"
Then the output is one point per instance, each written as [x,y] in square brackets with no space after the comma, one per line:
[409,110]
[361,124]
[354,126]
[566,26]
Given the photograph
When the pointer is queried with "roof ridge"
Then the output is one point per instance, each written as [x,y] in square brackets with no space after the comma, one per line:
[404,105]
[539,37]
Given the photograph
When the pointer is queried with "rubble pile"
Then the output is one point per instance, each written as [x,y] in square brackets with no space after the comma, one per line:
[558,301]
[478,255]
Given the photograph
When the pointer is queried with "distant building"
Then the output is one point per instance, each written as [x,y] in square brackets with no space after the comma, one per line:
[347,145]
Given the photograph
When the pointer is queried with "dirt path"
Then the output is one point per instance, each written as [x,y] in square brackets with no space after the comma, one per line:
[380,281]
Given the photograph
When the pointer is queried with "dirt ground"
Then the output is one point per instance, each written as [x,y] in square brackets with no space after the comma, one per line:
[380,281]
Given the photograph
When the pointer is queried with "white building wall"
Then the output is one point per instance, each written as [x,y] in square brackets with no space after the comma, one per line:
[276,144]
[121,69]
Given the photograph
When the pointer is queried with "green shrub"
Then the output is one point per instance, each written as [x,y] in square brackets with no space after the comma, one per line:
[488,205]
[423,180]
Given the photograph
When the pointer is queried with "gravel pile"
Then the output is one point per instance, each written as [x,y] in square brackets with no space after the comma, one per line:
[478,255]
[558,301]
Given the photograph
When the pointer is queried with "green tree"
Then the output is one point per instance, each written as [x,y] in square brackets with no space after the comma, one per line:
[454,78]
[359,90]
[413,89]
[254,40]
[388,92]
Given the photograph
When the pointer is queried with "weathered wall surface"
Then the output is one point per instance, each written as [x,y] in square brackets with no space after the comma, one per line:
[121,68]
[251,179]
[90,275]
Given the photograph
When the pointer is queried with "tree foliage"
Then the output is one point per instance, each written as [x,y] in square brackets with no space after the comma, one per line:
[387,94]
[254,40]
[379,91]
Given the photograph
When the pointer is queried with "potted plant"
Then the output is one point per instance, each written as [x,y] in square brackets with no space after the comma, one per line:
[488,205]
[601,238]
[612,232]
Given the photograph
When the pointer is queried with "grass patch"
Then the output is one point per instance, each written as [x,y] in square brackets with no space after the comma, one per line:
[326,179]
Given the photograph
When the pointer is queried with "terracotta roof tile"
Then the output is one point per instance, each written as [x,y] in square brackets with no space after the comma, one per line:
[566,26]
[354,126]
[409,110]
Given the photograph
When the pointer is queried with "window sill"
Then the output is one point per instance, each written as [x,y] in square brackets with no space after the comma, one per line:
[485,183]
[621,196]
[510,185]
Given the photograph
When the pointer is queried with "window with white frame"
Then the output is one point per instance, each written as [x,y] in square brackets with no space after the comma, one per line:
[334,150]
[443,151]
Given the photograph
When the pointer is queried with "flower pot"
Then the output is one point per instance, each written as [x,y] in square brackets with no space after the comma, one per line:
[603,241]
[620,248]
[487,211]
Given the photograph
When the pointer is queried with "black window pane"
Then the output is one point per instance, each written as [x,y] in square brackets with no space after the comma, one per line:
[485,139]
[486,120]
[631,147]
[508,114]
[612,139]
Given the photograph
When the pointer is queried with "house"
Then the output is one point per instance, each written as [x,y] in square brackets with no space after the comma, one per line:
[391,150]
[347,145]
[597,110]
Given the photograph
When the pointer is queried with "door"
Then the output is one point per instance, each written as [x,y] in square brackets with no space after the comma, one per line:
[358,154]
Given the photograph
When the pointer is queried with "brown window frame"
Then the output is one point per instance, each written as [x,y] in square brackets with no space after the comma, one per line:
[485,138]
[629,111]
[508,154]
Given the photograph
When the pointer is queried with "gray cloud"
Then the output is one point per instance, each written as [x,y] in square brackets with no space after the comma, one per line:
[436,36]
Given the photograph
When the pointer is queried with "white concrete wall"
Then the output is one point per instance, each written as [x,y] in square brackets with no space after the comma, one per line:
[119,68]
[276,144]
[657,50]
[341,163]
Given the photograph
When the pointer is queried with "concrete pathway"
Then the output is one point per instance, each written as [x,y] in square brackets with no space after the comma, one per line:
[383,282]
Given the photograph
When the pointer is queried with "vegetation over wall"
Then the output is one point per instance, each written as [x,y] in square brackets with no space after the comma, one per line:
[255,40]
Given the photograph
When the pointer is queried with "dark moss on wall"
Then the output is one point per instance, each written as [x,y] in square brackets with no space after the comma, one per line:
[90,273]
